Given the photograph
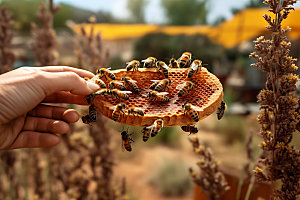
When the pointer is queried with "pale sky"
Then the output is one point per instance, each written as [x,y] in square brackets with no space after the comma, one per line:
[154,13]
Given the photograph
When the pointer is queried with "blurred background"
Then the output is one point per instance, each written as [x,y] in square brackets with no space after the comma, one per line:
[94,33]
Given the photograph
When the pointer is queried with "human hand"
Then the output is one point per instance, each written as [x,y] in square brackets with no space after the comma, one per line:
[24,121]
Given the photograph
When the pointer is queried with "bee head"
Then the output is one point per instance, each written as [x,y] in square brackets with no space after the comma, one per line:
[124,133]
[124,78]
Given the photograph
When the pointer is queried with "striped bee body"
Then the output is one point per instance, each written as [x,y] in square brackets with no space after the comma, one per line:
[156,127]
[194,68]
[185,59]
[190,128]
[146,133]
[126,141]
[118,111]
[190,112]
[187,87]
[221,110]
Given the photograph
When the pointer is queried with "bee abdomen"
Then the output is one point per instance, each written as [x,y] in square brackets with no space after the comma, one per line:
[159,87]
[166,73]
[112,76]
[140,112]
[181,92]
[128,148]
[135,88]
[194,116]
[190,73]
[116,116]
[153,86]
[125,96]
[154,133]
[182,64]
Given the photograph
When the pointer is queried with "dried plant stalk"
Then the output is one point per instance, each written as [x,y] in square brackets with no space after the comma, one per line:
[44,38]
[7,56]
[210,178]
[91,55]
[279,114]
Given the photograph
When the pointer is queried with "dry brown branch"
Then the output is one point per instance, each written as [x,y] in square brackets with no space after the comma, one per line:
[278,116]
[44,38]
[7,56]
[210,178]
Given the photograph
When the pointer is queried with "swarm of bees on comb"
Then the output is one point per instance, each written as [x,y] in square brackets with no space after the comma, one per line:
[153,94]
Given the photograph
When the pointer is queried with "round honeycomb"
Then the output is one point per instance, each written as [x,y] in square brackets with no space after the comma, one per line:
[206,97]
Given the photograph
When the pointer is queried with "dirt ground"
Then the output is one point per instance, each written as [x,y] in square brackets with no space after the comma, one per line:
[136,167]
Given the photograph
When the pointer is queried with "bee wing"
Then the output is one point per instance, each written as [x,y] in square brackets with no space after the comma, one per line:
[146,60]
[133,81]
[179,86]
[123,146]
[165,66]
[108,68]
[125,92]
[162,93]
[119,82]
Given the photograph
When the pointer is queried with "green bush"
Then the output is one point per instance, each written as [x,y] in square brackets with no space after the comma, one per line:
[164,47]
[171,178]
[232,129]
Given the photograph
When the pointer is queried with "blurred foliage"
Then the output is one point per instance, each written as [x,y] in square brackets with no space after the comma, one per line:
[116,62]
[232,128]
[185,12]
[171,178]
[137,10]
[168,137]
[229,96]
[250,4]
[24,13]
[164,47]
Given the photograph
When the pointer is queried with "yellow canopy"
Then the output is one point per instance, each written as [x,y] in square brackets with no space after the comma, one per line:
[242,27]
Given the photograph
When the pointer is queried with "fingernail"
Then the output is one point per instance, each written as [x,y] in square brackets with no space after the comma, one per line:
[93,86]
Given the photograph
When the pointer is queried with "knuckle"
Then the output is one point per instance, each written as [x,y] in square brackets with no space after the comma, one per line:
[73,76]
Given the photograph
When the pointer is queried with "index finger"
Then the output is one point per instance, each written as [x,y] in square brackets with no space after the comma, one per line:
[80,72]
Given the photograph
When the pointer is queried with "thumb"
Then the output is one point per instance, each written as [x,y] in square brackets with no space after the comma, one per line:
[68,81]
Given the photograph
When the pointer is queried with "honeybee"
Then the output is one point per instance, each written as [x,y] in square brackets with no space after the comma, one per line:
[93,112]
[100,83]
[119,108]
[152,87]
[186,88]
[135,111]
[156,127]
[86,119]
[221,110]
[162,85]
[173,63]
[194,67]
[102,92]
[185,59]
[115,84]
[105,72]
[134,64]
[163,68]
[119,94]
[190,128]
[91,117]
[126,141]
[190,111]
[149,62]
[129,82]
[158,96]
[146,133]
